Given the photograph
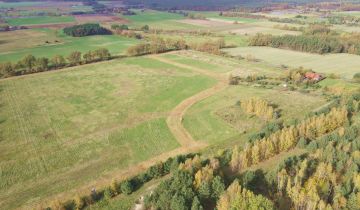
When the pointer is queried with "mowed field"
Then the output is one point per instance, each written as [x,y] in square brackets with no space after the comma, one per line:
[14,45]
[345,65]
[18,4]
[26,21]
[158,20]
[217,119]
[63,129]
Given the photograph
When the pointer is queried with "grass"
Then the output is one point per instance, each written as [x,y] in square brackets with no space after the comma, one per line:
[223,65]
[23,21]
[18,4]
[17,40]
[127,201]
[65,45]
[198,63]
[338,86]
[217,119]
[345,65]
[158,20]
[215,15]
[61,130]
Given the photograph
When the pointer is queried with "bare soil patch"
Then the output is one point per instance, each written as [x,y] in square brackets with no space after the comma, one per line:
[256,29]
[51,26]
[99,18]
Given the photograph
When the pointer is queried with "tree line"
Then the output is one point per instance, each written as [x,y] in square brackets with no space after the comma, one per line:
[160,45]
[30,64]
[315,39]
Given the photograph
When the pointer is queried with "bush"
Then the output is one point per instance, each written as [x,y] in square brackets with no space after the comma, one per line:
[302,143]
[356,77]
[79,202]
[127,187]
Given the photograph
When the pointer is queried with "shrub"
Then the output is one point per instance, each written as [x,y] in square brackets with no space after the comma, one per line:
[79,202]
[127,187]
[356,77]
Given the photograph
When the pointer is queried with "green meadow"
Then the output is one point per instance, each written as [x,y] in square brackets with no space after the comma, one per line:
[217,16]
[218,119]
[345,65]
[18,4]
[24,21]
[158,20]
[83,122]
[66,44]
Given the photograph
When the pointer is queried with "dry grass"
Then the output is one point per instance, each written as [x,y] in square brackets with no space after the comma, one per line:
[345,65]
[98,18]
[16,40]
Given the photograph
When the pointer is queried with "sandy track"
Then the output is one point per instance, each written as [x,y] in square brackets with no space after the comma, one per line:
[176,116]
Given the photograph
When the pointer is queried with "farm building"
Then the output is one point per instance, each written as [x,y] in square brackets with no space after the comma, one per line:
[313,76]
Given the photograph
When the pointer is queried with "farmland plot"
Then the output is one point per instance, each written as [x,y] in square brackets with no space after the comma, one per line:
[63,129]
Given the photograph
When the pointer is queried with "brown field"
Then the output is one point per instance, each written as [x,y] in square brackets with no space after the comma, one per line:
[99,19]
[251,29]
[51,26]
[57,6]
[14,40]
[205,23]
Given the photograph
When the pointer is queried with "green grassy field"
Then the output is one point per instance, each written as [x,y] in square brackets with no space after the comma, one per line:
[158,20]
[24,21]
[63,129]
[218,119]
[215,15]
[18,4]
[345,65]
[65,45]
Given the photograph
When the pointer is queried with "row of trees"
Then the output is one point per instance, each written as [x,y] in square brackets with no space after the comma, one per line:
[157,45]
[315,39]
[87,29]
[242,15]
[287,138]
[304,43]
[30,64]
[160,45]
[259,107]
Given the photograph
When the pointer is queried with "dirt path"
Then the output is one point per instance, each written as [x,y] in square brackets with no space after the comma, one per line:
[176,116]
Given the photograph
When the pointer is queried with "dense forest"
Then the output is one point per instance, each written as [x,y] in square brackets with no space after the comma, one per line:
[315,39]
[86,30]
